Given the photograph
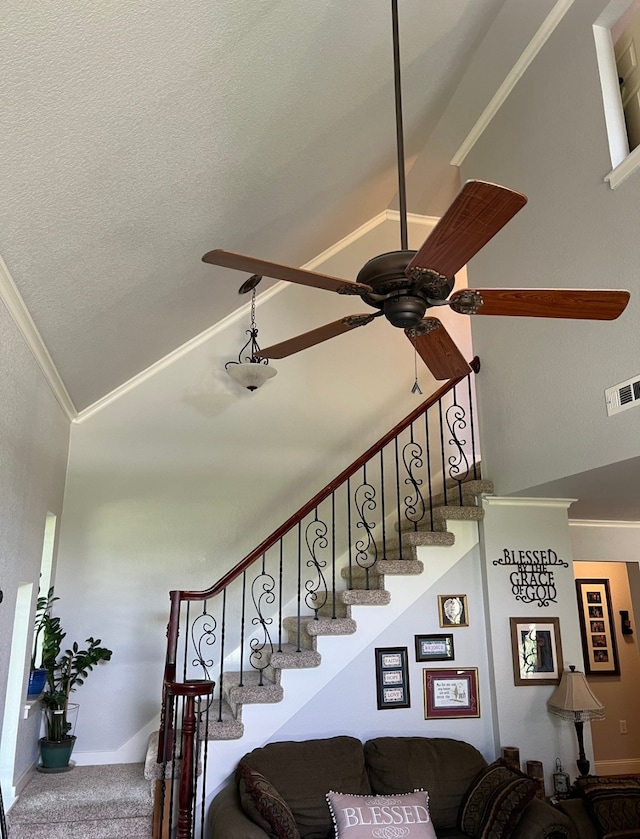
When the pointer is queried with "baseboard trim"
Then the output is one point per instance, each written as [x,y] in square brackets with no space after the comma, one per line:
[617,767]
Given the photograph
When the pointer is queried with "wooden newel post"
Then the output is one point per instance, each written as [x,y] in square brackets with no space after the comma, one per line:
[191,690]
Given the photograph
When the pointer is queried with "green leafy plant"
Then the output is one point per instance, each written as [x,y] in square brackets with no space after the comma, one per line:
[66,671]
[43,609]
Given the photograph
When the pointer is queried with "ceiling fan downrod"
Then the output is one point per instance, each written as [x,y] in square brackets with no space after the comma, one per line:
[402,186]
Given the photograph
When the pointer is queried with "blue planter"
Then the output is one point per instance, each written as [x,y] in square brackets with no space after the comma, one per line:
[37,682]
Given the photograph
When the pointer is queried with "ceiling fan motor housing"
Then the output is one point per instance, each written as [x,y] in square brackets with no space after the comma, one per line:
[403,299]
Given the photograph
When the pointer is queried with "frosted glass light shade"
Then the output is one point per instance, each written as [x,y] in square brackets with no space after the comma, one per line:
[251,374]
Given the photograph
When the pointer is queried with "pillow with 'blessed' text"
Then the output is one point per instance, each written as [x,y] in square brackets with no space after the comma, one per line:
[374,816]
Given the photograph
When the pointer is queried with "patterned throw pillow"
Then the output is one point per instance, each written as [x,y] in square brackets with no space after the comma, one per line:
[614,804]
[264,805]
[381,816]
[495,801]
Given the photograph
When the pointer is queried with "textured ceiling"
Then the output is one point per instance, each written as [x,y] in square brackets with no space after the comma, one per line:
[136,136]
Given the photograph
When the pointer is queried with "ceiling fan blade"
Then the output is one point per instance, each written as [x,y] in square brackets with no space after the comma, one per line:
[579,304]
[437,349]
[315,336]
[478,212]
[253,265]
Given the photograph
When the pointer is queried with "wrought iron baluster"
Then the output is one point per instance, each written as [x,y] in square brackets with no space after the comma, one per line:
[398,506]
[280,564]
[350,583]
[456,422]
[444,470]
[473,434]
[428,459]
[316,540]
[243,617]
[299,590]
[333,556]
[365,501]
[203,634]
[223,635]
[412,458]
[185,654]
[383,506]
[262,594]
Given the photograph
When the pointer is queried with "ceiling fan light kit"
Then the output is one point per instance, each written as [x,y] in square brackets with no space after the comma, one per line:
[402,285]
[252,371]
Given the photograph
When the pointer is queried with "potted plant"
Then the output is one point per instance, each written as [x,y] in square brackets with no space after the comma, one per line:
[38,674]
[66,671]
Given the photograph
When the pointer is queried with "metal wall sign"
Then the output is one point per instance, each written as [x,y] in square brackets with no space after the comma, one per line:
[532,581]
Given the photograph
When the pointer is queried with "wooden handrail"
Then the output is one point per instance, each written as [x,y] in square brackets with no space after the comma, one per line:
[297,517]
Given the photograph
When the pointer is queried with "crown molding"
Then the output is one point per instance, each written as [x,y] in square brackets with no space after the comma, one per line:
[621,525]
[17,308]
[517,71]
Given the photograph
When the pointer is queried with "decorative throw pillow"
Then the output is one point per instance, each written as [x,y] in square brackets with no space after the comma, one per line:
[264,805]
[495,801]
[614,804]
[381,816]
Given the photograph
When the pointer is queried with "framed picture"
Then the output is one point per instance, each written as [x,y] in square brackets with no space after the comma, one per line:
[452,610]
[597,628]
[451,693]
[392,677]
[434,647]
[536,651]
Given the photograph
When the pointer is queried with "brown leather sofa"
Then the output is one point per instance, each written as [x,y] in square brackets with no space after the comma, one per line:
[302,772]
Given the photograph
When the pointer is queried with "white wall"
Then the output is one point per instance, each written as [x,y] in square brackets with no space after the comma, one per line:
[350,707]
[541,396]
[34,434]
[173,483]
[522,718]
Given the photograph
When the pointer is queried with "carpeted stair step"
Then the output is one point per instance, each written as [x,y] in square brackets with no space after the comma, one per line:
[311,628]
[289,657]
[358,577]
[89,802]
[251,692]
[414,539]
[443,514]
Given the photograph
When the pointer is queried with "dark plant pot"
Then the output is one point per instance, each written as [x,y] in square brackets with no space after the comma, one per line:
[37,682]
[56,754]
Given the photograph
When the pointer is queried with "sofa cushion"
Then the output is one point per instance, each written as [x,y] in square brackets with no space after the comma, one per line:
[495,801]
[380,816]
[264,805]
[443,766]
[303,773]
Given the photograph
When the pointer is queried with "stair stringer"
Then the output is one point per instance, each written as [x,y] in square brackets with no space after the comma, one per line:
[261,721]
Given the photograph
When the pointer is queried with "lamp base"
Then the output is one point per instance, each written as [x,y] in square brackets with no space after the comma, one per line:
[583,766]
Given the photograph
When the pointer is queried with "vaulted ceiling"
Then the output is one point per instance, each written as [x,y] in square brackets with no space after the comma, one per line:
[139,135]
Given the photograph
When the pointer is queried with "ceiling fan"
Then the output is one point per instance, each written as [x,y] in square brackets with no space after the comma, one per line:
[402,285]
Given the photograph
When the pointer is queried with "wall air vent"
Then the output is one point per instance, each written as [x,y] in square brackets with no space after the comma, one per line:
[623,396]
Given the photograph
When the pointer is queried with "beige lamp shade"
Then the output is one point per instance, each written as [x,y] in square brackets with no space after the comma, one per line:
[574,700]
[251,374]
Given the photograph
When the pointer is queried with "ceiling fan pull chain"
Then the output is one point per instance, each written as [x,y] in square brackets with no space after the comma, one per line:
[416,386]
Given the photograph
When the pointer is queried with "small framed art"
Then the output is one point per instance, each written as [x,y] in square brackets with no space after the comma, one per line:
[392,677]
[434,647]
[452,610]
[597,628]
[536,650]
[451,693]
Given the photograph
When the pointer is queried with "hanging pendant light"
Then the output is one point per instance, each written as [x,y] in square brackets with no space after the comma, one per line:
[252,371]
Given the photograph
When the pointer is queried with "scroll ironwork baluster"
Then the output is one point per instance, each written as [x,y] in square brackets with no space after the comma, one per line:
[365,501]
[316,540]
[412,459]
[262,595]
[442,452]
[203,634]
[456,422]
[473,435]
